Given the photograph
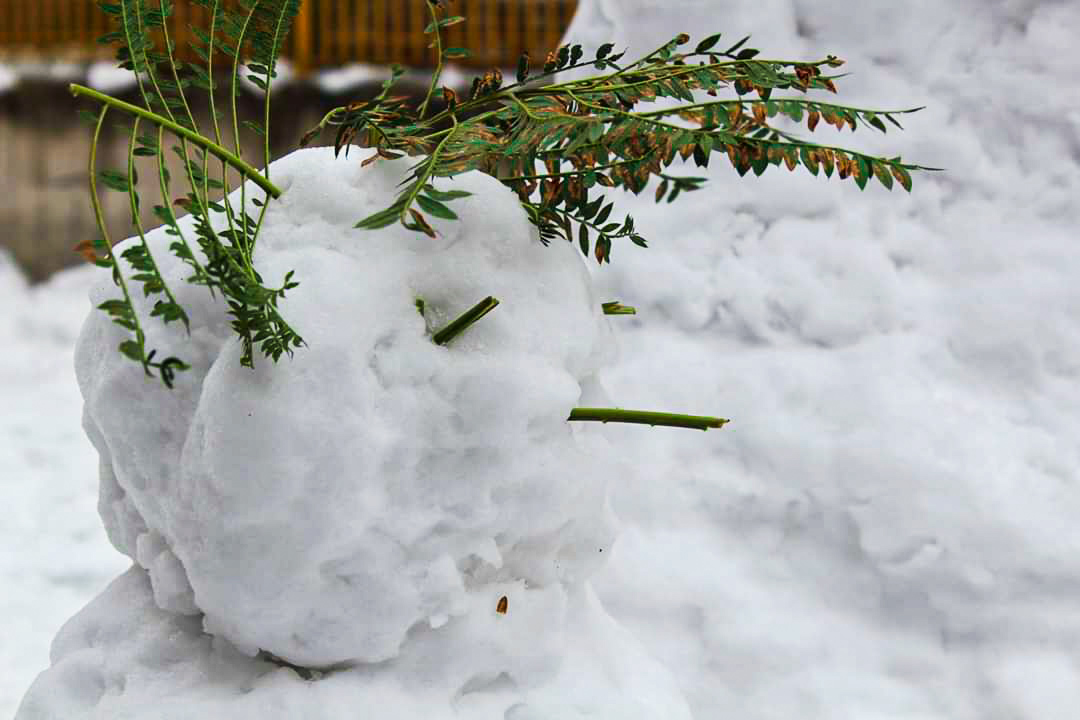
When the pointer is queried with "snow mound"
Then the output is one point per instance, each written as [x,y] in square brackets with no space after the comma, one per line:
[320,508]
[122,657]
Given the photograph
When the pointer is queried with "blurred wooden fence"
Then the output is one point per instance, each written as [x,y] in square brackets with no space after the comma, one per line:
[326,33]
[44,209]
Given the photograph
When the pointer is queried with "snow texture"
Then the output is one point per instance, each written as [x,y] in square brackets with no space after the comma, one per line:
[886,530]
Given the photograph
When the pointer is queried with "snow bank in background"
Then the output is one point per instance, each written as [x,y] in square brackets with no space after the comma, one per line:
[887,528]
[53,551]
[339,80]
[108,77]
[8,78]
[348,77]
[373,498]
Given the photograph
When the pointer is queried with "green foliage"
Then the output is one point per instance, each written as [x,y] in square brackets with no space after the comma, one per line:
[256,30]
[590,135]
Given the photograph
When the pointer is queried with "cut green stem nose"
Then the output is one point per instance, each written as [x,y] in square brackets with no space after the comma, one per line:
[642,417]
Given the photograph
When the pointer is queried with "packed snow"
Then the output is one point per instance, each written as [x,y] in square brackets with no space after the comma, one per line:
[885,530]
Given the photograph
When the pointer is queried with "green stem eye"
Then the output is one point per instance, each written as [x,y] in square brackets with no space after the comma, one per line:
[469,317]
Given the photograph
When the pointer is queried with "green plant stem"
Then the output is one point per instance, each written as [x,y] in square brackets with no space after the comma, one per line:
[176,77]
[617,308]
[428,172]
[799,101]
[99,217]
[236,133]
[200,271]
[597,168]
[133,198]
[438,61]
[505,92]
[462,323]
[215,149]
[204,199]
[642,417]
[524,107]
[688,70]
[266,127]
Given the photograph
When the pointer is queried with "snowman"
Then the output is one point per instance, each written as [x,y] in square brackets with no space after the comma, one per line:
[380,523]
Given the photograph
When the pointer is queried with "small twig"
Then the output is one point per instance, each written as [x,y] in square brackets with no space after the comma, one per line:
[642,417]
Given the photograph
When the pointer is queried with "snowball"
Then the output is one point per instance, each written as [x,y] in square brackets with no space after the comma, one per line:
[320,507]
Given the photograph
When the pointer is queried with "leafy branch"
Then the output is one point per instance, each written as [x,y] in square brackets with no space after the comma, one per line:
[559,145]
[255,30]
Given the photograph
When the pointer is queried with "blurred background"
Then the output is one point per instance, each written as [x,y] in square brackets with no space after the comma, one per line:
[338,51]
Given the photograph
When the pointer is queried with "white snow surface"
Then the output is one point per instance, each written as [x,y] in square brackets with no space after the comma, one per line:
[885,530]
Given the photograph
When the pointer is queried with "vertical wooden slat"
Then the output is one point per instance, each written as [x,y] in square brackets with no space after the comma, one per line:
[396,33]
[380,28]
[418,20]
[344,35]
[474,31]
[325,32]
[489,49]
[55,20]
[178,28]
[515,40]
[551,21]
[44,17]
[301,39]
[30,15]
[80,31]
[99,23]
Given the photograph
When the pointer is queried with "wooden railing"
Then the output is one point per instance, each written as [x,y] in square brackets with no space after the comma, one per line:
[326,33]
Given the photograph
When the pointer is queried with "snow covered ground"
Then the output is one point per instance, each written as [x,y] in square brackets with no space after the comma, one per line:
[887,528]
